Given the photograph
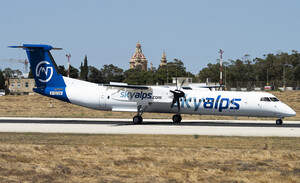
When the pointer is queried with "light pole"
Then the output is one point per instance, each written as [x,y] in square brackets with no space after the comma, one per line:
[268,76]
[284,82]
[225,78]
[68,55]
[221,53]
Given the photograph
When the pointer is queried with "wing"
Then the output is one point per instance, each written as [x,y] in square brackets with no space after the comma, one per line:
[128,86]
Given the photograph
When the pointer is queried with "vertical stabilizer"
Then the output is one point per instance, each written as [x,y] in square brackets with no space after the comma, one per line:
[48,80]
[43,66]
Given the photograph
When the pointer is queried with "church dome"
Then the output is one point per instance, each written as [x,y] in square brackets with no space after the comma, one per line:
[138,58]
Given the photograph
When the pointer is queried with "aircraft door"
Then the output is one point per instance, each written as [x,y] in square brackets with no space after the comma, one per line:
[102,99]
[263,103]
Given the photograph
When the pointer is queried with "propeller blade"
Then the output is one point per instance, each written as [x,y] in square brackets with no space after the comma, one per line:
[177,94]
[173,102]
[182,83]
[176,83]
[178,105]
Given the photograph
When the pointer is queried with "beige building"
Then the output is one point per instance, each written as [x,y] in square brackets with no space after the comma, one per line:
[187,80]
[138,59]
[21,86]
[163,60]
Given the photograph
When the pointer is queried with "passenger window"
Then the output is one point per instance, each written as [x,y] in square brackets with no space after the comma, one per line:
[265,99]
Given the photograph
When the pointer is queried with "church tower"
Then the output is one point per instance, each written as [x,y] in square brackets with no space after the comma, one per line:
[163,60]
[138,59]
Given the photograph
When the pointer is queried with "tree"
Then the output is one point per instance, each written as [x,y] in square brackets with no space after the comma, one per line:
[95,75]
[161,74]
[2,80]
[140,77]
[85,69]
[9,73]
[30,75]
[165,73]
[112,73]
[18,73]
[135,77]
[81,75]
[279,69]
[73,72]
[62,70]
[212,71]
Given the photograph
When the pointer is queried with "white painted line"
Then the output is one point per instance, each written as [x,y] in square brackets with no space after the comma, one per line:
[234,128]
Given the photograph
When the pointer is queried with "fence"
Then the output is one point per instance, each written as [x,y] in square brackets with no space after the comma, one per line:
[261,85]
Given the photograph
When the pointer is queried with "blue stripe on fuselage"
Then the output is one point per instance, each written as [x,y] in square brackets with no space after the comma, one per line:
[54,92]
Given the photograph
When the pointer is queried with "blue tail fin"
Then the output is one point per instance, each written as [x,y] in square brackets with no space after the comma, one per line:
[43,66]
[44,69]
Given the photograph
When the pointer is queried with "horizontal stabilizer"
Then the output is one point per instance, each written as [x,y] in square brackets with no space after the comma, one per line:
[46,47]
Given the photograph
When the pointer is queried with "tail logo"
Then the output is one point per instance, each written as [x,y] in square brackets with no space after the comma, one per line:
[44,70]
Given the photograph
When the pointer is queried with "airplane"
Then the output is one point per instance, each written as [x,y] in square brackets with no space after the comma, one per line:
[157,99]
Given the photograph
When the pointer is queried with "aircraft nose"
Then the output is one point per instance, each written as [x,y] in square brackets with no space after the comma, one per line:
[289,112]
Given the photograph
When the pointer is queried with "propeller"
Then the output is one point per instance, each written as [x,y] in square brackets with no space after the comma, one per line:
[177,94]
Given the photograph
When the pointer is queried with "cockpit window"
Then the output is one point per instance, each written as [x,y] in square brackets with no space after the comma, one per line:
[265,99]
[274,99]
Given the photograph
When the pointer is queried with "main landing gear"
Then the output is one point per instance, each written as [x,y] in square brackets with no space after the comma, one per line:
[279,121]
[138,119]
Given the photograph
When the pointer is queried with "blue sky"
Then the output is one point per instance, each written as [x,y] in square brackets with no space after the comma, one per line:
[107,31]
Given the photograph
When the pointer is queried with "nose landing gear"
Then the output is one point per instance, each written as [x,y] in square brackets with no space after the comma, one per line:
[176,118]
[279,121]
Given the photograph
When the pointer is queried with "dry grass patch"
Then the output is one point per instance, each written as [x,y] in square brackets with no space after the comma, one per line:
[147,158]
[38,106]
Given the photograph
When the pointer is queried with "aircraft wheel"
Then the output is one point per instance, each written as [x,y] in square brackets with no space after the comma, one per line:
[137,119]
[279,122]
[176,118]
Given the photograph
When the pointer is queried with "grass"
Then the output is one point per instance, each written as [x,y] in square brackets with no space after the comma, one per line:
[38,106]
[33,157]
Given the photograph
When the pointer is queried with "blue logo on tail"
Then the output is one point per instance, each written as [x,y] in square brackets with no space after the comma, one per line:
[44,70]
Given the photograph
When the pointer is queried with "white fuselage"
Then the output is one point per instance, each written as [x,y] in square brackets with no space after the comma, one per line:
[158,99]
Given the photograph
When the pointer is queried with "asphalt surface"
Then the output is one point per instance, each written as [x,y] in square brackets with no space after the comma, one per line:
[151,126]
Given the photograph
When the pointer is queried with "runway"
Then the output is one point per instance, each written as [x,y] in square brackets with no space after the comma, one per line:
[151,126]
